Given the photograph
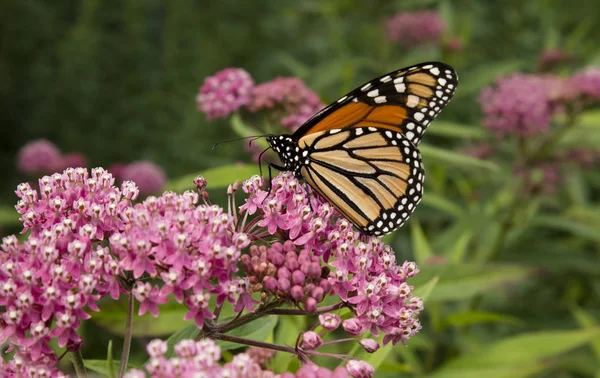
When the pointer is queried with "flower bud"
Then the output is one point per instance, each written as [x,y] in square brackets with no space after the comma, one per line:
[359,369]
[283,284]
[311,340]
[298,277]
[297,292]
[369,345]
[310,305]
[318,293]
[330,321]
[271,284]
[353,326]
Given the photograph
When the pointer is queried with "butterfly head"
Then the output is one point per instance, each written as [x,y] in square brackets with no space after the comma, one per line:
[288,150]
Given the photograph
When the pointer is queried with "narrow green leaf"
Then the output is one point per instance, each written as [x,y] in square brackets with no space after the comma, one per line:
[463,281]
[244,130]
[424,291]
[219,177]
[189,332]
[448,157]
[587,321]
[567,225]
[459,250]
[485,75]
[457,130]
[110,363]
[101,366]
[286,333]
[522,371]
[257,330]
[523,349]
[420,245]
[468,318]
[442,204]
[114,314]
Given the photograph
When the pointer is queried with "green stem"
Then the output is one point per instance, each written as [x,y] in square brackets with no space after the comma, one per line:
[77,360]
[128,335]
[260,344]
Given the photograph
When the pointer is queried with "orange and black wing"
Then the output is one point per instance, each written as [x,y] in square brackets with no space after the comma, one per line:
[404,101]
[372,176]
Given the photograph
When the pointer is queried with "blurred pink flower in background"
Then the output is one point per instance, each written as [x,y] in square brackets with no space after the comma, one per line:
[149,177]
[72,160]
[288,95]
[453,44]
[225,92]
[411,29]
[550,58]
[38,156]
[518,104]
[587,82]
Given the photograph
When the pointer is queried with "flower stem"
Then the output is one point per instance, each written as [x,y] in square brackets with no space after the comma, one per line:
[292,311]
[77,360]
[260,344]
[128,335]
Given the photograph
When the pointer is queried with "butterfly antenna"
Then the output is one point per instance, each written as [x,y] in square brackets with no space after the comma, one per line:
[251,137]
[260,158]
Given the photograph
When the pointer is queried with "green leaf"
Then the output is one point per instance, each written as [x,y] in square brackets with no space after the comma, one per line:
[219,177]
[420,245]
[114,314]
[462,319]
[257,330]
[189,332]
[110,363]
[484,75]
[9,216]
[587,321]
[286,333]
[244,130]
[101,366]
[457,130]
[568,225]
[528,351]
[452,158]
[463,281]
[424,291]
[440,203]
[490,372]
[459,250]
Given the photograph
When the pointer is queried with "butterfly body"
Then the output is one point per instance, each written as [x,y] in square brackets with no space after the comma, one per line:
[360,153]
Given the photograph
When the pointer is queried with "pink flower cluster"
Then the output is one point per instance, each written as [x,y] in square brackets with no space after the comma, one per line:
[412,29]
[518,104]
[288,96]
[149,177]
[287,99]
[365,275]
[41,156]
[225,92]
[587,83]
[201,359]
[88,240]
[48,281]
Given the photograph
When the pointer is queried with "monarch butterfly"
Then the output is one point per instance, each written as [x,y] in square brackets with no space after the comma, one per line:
[360,153]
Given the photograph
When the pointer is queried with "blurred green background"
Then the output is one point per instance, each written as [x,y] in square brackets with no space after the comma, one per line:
[510,272]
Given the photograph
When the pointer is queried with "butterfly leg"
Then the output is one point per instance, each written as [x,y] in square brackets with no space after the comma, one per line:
[307,189]
[279,168]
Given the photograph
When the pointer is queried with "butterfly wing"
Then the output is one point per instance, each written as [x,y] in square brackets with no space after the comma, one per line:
[404,101]
[372,176]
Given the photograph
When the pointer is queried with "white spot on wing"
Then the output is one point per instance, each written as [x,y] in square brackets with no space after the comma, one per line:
[380,100]
[434,70]
[412,101]
[366,86]
[385,79]
[373,93]
[400,88]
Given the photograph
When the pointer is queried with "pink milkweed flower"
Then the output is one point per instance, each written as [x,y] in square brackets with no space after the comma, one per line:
[225,92]
[38,156]
[412,29]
